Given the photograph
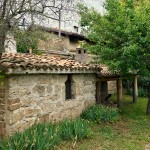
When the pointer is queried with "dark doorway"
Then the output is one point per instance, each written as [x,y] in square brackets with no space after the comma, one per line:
[101,91]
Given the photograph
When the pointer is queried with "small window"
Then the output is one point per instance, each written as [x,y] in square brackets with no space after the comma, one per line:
[84,51]
[79,51]
[69,88]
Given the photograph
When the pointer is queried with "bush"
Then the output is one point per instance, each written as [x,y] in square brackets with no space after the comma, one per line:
[38,137]
[74,129]
[141,92]
[100,113]
[46,136]
[28,40]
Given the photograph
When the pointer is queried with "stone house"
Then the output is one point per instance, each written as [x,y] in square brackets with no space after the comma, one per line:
[44,88]
[39,88]
[68,42]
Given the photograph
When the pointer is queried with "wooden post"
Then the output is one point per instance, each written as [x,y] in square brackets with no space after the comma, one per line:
[98,92]
[148,104]
[135,89]
[119,92]
[104,91]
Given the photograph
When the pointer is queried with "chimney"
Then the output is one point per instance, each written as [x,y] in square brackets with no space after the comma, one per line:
[10,44]
[30,50]
[81,55]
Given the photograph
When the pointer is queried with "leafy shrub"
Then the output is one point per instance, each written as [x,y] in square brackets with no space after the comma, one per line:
[141,92]
[28,40]
[46,136]
[71,129]
[39,137]
[100,113]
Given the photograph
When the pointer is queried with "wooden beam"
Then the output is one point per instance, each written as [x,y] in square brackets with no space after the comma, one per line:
[135,89]
[98,92]
[119,92]
[109,78]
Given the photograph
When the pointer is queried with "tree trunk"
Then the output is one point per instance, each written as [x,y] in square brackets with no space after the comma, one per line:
[148,105]
[128,86]
[59,24]
[3,31]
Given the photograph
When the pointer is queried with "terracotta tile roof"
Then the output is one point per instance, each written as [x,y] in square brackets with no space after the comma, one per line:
[31,61]
[105,72]
[63,32]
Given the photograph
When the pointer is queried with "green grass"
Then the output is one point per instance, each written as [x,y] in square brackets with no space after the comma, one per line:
[47,136]
[131,132]
[100,113]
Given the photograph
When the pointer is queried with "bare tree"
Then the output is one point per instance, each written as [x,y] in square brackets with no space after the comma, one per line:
[12,11]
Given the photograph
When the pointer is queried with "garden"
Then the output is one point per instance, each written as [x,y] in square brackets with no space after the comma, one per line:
[98,127]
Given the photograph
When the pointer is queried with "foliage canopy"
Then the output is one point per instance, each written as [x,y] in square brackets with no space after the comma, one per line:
[121,35]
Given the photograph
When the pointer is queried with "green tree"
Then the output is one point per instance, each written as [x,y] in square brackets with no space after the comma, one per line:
[14,12]
[28,39]
[121,36]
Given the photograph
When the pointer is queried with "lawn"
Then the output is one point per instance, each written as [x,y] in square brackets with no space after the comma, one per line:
[131,132]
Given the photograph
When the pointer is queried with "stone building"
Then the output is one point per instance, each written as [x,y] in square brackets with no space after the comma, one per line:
[39,88]
[44,88]
[68,42]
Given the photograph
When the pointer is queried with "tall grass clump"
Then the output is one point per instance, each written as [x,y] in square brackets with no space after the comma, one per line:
[71,129]
[46,136]
[100,113]
[38,137]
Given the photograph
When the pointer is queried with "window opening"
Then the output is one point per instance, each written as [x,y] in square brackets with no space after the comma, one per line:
[79,51]
[68,87]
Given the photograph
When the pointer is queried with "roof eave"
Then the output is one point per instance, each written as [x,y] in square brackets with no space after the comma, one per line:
[19,71]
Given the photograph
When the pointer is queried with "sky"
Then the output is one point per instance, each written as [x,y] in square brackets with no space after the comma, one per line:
[97,4]
[74,19]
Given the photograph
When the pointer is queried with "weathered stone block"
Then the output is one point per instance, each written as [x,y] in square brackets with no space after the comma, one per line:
[2,100]
[47,107]
[1,117]
[40,89]
[2,133]
[14,117]
[13,101]
[2,124]
[44,118]
[49,90]
[2,112]
[2,106]
[2,90]
[57,89]
[89,103]
[14,106]
[2,95]
[28,101]
[26,80]
[32,112]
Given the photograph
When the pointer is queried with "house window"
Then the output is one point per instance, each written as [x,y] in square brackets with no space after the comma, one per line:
[84,51]
[69,87]
[76,28]
[79,51]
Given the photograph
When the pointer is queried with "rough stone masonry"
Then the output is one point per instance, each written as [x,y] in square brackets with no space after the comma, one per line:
[29,99]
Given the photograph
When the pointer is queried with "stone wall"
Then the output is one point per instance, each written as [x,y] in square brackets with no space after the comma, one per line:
[53,42]
[40,98]
[112,87]
[2,108]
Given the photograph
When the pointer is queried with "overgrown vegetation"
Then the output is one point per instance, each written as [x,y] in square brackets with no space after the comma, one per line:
[100,113]
[38,137]
[141,92]
[28,40]
[46,136]
[77,129]
[131,132]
